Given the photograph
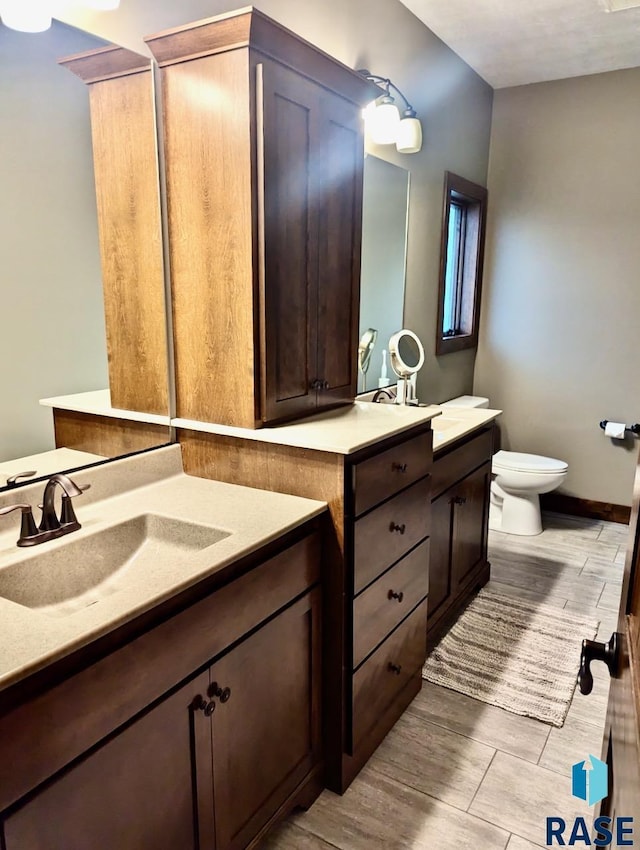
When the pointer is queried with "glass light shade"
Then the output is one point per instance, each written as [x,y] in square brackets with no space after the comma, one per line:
[383,124]
[409,136]
[101,5]
[26,15]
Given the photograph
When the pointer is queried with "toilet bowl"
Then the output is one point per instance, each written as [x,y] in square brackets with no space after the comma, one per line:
[518,481]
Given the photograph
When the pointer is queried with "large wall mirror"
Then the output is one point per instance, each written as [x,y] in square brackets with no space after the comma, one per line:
[384,248]
[52,331]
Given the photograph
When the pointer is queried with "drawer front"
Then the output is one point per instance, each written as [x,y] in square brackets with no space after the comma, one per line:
[389,472]
[379,609]
[453,466]
[383,676]
[390,531]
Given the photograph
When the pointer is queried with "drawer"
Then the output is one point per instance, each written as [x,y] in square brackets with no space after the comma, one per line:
[389,472]
[379,609]
[383,676]
[387,533]
[454,465]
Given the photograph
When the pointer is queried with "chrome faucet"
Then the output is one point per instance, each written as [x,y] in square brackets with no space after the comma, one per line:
[51,525]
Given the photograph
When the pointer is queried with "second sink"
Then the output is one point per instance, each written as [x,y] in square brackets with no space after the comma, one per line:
[83,570]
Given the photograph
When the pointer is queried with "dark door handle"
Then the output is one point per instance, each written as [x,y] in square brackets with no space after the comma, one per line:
[399,467]
[393,595]
[224,694]
[200,704]
[316,384]
[395,668]
[395,527]
[458,500]
[593,651]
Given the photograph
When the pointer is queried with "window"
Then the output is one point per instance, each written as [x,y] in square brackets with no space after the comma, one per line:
[462,250]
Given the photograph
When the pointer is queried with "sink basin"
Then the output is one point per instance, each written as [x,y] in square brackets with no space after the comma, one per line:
[83,571]
[445,423]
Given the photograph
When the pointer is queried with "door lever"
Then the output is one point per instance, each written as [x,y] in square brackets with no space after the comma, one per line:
[594,651]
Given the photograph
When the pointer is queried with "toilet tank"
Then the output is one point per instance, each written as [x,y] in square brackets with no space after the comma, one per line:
[467,401]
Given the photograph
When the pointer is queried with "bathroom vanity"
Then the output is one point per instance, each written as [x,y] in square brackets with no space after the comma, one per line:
[179,704]
[372,464]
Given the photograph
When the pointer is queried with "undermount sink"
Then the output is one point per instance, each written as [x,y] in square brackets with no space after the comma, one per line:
[83,571]
[444,423]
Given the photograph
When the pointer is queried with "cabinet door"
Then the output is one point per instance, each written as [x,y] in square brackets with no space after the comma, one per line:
[137,790]
[340,197]
[470,523]
[288,114]
[266,735]
[441,551]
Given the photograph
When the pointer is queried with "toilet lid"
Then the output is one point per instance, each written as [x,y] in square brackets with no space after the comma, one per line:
[521,462]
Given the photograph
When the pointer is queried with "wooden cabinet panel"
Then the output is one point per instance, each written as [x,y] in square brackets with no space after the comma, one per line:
[340,204]
[383,676]
[385,534]
[267,734]
[289,283]
[137,790]
[379,609]
[452,466]
[470,524]
[390,471]
[440,555]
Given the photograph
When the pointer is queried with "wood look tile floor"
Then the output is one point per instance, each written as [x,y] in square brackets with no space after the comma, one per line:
[455,773]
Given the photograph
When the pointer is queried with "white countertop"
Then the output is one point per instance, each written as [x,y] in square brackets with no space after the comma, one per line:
[150,483]
[46,463]
[343,430]
[98,402]
[456,422]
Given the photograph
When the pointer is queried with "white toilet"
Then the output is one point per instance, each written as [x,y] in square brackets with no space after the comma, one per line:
[518,481]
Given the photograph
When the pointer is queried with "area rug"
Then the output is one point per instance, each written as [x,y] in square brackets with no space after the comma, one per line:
[512,653]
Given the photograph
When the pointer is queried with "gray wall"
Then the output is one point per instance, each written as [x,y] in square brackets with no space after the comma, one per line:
[52,339]
[561,309]
[452,101]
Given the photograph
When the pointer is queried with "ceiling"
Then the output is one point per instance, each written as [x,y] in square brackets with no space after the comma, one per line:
[514,42]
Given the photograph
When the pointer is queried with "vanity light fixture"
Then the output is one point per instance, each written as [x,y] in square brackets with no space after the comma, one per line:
[36,15]
[26,15]
[383,120]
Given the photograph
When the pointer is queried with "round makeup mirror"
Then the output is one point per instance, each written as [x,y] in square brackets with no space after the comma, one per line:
[365,350]
[406,353]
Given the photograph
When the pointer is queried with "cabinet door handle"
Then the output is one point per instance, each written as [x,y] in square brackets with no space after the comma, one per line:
[395,527]
[395,668]
[223,694]
[200,704]
[399,467]
[316,384]
[457,500]
[393,595]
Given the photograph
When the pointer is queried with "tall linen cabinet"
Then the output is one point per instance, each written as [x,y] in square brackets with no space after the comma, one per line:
[264,153]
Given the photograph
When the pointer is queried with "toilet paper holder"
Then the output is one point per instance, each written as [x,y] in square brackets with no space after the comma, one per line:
[635,429]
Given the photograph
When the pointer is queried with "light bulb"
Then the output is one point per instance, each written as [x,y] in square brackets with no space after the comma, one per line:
[384,121]
[409,135]
[26,15]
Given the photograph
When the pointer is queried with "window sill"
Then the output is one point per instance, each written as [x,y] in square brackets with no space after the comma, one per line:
[449,344]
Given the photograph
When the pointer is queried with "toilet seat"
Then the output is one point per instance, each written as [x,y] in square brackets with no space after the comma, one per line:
[522,462]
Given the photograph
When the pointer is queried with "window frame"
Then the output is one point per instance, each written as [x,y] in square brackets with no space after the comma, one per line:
[473,199]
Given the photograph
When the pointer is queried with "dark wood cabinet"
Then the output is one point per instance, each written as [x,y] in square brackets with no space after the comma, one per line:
[207,765]
[377,570]
[460,520]
[264,156]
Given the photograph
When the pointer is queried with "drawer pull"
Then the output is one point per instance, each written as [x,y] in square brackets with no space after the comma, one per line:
[395,668]
[395,527]
[224,694]
[459,500]
[399,467]
[393,595]
[200,704]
